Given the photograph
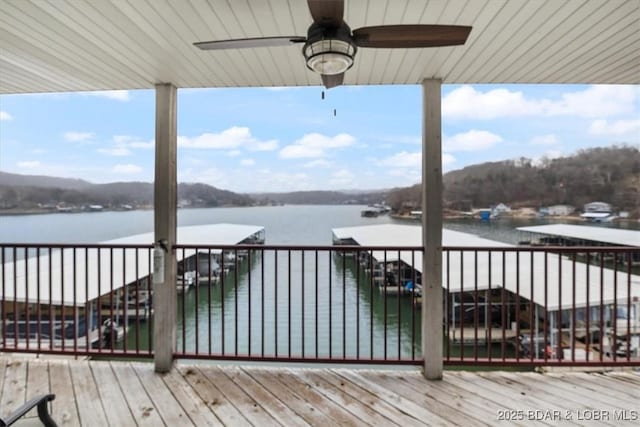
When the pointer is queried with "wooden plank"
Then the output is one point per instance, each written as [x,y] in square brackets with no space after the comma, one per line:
[522,395]
[64,409]
[511,398]
[240,398]
[369,408]
[602,384]
[141,407]
[15,381]
[546,392]
[565,386]
[170,410]
[424,411]
[118,411]
[632,377]
[213,398]
[197,410]
[37,382]
[439,404]
[484,409]
[3,368]
[278,390]
[87,397]
[316,400]
[266,397]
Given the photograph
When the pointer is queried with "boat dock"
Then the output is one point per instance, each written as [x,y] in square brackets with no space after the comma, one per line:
[106,282]
[581,235]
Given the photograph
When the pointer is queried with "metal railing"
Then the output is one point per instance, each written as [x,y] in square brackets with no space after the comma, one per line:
[294,303]
[530,306]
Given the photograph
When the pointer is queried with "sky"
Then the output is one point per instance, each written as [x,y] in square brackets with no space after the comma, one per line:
[291,139]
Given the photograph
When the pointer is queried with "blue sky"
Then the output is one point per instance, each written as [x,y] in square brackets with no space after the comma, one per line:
[286,139]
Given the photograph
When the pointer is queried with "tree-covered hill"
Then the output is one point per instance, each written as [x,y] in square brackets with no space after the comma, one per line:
[610,175]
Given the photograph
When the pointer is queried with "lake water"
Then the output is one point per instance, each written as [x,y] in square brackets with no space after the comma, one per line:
[306,314]
[298,225]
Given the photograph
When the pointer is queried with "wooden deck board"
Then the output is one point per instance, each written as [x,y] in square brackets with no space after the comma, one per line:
[37,383]
[214,399]
[96,393]
[110,391]
[143,410]
[287,395]
[163,400]
[14,387]
[87,397]
[64,408]
[243,400]
[268,401]
[197,409]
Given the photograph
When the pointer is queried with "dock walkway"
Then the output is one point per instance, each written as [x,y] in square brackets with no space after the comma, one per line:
[101,393]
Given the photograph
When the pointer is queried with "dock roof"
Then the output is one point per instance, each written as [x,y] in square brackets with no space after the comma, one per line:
[613,236]
[531,274]
[74,276]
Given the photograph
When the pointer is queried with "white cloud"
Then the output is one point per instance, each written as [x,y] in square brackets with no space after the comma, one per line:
[411,161]
[596,101]
[128,169]
[30,164]
[447,160]
[403,159]
[342,177]
[315,145]
[473,140]
[466,102]
[234,153]
[247,162]
[319,163]
[115,151]
[5,116]
[232,138]
[549,139]
[118,95]
[78,136]
[132,142]
[615,128]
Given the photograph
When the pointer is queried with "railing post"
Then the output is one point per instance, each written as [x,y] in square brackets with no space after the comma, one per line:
[165,206]
[432,229]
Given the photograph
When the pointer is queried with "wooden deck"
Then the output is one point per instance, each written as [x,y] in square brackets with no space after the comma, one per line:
[99,393]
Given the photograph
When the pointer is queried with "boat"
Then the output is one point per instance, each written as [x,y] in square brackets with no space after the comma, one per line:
[45,333]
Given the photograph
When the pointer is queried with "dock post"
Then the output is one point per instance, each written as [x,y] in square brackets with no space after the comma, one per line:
[165,211]
[432,228]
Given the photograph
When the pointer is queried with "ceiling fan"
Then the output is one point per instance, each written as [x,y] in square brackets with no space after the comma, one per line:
[330,45]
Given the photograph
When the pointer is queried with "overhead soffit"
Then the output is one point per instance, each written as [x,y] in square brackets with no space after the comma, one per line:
[61,45]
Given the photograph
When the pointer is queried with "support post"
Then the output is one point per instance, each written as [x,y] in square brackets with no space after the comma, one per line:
[432,229]
[165,211]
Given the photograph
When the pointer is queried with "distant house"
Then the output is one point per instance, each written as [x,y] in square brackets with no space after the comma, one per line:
[500,209]
[598,207]
[560,210]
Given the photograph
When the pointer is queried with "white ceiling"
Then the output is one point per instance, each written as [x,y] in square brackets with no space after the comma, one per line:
[73,45]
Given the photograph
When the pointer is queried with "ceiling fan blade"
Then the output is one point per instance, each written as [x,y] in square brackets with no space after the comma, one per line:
[332,80]
[248,43]
[405,36]
[328,12]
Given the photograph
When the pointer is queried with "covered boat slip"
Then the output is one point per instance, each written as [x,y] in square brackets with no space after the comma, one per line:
[586,235]
[72,277]
[45,285]
[540,285]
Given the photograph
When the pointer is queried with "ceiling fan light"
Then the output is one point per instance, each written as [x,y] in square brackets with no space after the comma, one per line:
[329,56]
